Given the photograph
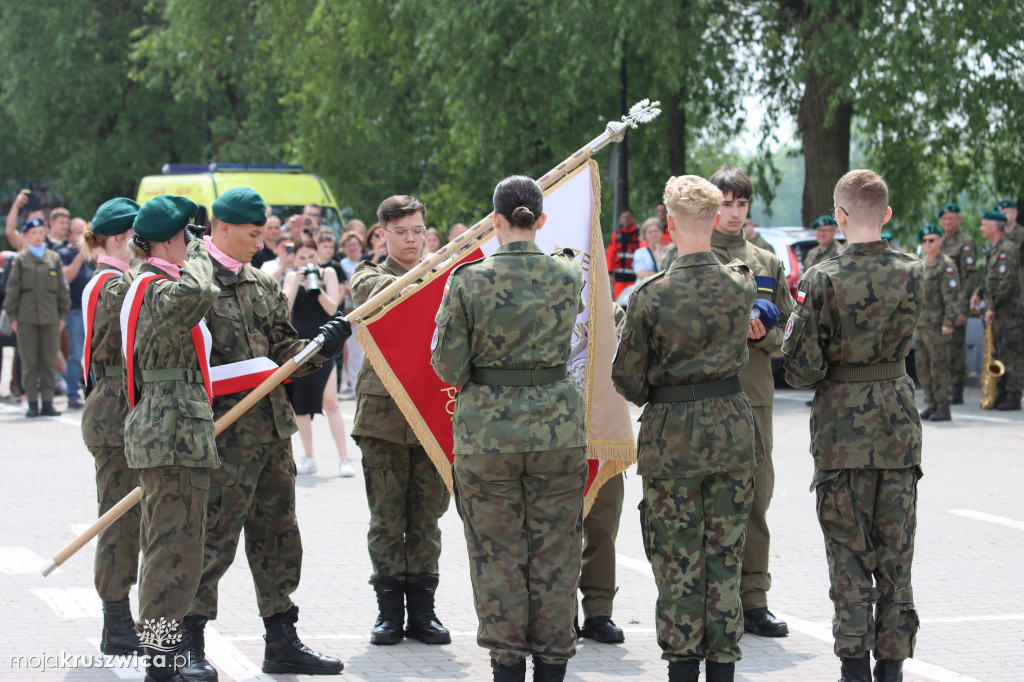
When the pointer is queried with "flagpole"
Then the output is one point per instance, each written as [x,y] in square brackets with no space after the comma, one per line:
[641,112]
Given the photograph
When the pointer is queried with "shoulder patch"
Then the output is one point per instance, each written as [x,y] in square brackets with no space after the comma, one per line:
[801,296]
[737,264]
[967,247]
[1002,256]
[765,285]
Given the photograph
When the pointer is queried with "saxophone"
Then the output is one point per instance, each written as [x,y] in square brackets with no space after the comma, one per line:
[991,370]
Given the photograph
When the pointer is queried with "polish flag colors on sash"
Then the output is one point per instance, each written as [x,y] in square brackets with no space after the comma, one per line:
[90,297]
[200,333]
[246,375]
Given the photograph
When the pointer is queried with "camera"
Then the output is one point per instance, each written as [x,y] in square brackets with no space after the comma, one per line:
[312,273]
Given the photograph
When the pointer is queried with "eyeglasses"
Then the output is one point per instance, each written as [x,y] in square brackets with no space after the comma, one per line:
[404,232]
[832,211]
[929,240]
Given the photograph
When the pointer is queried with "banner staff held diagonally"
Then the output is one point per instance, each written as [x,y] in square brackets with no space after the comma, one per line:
[611,449]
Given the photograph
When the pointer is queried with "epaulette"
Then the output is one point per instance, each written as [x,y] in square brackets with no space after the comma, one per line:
[640,285]
[737,264]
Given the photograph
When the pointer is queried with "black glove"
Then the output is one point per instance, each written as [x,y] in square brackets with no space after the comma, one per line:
[192,232]
[335,333]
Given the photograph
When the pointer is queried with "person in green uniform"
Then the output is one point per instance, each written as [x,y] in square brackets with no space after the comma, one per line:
[37,302]
[254,488]
[106,242]
[849,337]
[943,303]
[1014,231]
[960,247]
[405,493]
[999,295]
[504,334]
[825,232]
[680,354]
[752,235]
[169,432]
[764,339]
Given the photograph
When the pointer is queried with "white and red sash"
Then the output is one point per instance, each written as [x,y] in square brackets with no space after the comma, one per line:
[201,338]
[90,297]
[244,375]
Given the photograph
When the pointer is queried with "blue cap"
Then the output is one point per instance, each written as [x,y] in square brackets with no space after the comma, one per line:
[33,222]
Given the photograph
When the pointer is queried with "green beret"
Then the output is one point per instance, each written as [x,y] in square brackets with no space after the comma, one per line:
[887,236]
[1006,203]
[949,208]
[993,215]
[164,216]
[822,221]
[114,217]
[241,206]
[929,229]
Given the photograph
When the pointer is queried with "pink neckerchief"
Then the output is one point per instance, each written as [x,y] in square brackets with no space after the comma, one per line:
[170,268]
[113,262]
[224,259]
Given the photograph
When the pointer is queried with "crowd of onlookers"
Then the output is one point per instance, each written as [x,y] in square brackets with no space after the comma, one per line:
[291,243]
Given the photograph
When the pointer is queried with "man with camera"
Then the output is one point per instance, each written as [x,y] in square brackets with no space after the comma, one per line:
[254,488]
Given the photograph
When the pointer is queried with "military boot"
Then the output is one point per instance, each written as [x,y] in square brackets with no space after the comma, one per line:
[33,409]
[119,636]
[1009,403]
[509,673]
[720,672]
[48,410]
[193,651]
[391,612]
[547,672]
[941,414]
[856,669]
[958,396]
[683,671]
[423,623]
[888,671]
[160,666]
[927,412]
[286,654]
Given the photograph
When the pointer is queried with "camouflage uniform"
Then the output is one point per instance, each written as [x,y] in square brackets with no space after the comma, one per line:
[117,547]
[169,437]
[817,254]
[38,299]
[686,329]
[964,253]
[865,437]
[668,254]
[943,301]
[405,493]
[759,385]
[254,488]
[520,444]
[1001,292]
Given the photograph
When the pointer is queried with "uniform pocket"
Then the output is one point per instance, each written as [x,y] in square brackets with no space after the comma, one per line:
[223,492]
[835,504]
[198,492]
[195,409]
[264,306]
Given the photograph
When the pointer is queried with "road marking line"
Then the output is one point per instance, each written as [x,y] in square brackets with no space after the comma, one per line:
[972,619]
[124,667]
[980,418]
[72,602]
[20,561]
[823,632]
[229,661]
[991,518]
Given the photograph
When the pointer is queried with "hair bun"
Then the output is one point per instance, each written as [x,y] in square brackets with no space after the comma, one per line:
[523,217]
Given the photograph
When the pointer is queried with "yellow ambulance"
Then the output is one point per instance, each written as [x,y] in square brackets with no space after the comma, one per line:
[286,188]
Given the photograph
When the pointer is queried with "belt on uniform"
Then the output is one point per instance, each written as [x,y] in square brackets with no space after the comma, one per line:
[192,376]
[517,377]
[690,392]
[879,372]
[108,370]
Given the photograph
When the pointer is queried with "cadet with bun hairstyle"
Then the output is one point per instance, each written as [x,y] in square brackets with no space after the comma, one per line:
[504,332]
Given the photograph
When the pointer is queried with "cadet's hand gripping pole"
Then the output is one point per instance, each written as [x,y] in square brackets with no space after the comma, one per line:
[641,112]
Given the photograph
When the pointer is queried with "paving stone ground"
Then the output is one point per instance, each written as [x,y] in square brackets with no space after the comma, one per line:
[967,571]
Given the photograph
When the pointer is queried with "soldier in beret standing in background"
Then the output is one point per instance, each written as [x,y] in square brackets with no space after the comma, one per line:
[1008,207]
[37,301]
[825,232]
[943,303]
[504,334]
[106,242]
[169,432]
[1001,293]
[960,247]
[254,488]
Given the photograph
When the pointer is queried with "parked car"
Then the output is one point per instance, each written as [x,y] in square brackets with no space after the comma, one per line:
[791,244]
